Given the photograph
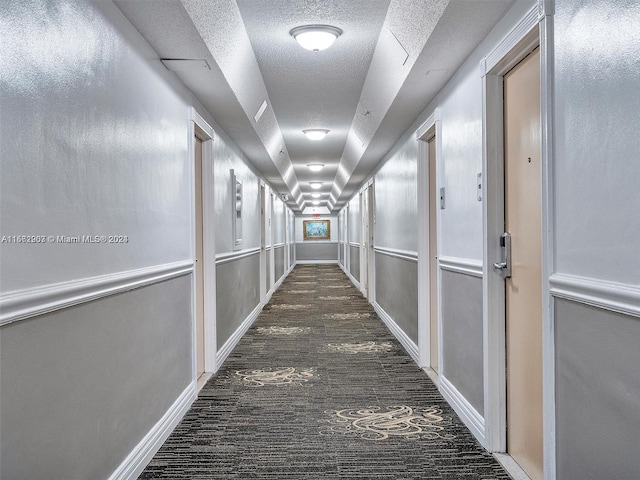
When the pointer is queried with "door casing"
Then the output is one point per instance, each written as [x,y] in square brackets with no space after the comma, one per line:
[371,256]
[198,127]
[430,128]
[263,244]
[535,29]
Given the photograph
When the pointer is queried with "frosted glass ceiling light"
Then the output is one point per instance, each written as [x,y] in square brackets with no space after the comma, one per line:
[315,167]
[315,37]
[315,195]
[315,185]
[315,133]
[316,202]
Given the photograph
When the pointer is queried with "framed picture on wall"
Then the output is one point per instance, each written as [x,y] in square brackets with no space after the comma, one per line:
[316,229]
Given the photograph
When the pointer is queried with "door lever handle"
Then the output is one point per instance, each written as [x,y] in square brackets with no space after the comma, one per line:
[498,267]
[504,268]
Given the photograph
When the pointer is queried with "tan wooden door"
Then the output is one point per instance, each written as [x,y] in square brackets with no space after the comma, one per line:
[433,256]
[199,262]
[523,212]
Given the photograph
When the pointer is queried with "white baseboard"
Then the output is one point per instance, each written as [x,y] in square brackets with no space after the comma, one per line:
[316,262]
[279,282]
[511,466]
[469,415]
[433,376]
[141,455]
[407,343]
[355,282]
[230,344]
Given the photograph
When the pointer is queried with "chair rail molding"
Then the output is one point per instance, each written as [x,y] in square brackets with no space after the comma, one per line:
[27,303]
[237,255]
[396,253]
[465,266]
[611,296]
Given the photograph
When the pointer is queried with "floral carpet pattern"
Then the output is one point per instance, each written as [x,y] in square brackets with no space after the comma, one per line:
[318,388]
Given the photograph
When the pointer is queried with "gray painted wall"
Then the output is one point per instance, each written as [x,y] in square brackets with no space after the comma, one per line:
[597,393]
[397,291]
[354,223]
[100,148]
[80,387]
[462,335]
[309,251]
[238,284]
[595,213]
[238,281]
[267,271]
[396,199]
[234,304]
[354,262]
[71,167]
[279,221]
[596,142]
[279,262]
[227,157]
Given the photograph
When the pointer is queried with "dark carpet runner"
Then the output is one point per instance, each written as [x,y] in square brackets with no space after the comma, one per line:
[319,389]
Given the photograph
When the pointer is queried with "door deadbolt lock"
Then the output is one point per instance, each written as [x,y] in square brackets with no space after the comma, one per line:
[504,268]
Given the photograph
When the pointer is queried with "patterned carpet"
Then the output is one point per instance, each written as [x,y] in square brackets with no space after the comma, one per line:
[319,388]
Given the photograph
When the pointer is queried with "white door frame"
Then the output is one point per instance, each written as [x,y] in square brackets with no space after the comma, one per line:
[272,234]
[293,240]
[535,29]
[288,239]
[345,247]
[347,240]
[263,240]
[371,241]
[430,128]
[364,241]
[199,127]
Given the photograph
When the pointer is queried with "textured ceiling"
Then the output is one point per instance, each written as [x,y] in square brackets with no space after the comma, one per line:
[314,89]
[367,89]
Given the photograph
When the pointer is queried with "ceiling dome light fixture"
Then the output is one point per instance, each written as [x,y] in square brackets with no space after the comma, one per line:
[315,167]
[315,37]
[315,133]
[316,195]
[315,202]
[315,185]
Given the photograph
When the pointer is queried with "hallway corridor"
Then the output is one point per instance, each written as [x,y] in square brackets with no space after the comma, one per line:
[298,399]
